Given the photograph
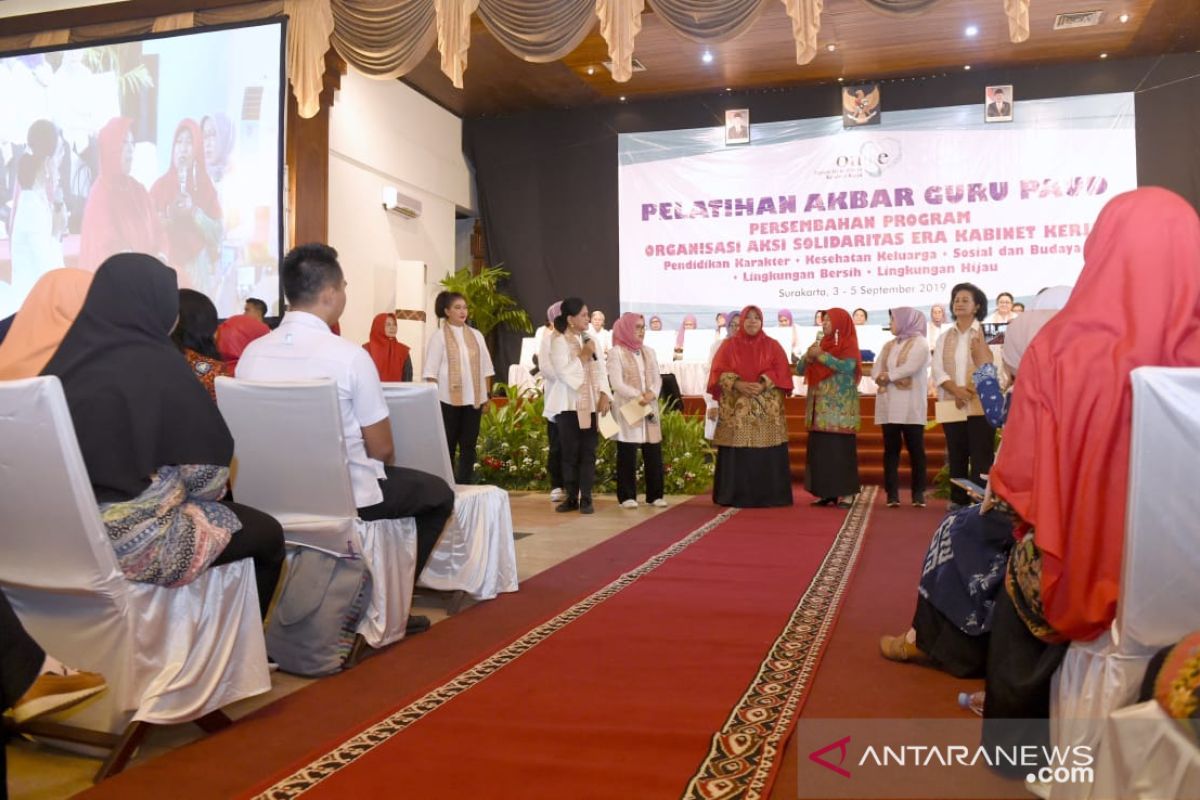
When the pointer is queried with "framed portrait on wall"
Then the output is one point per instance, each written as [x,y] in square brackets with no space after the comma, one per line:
[861,105]
[998,104]
[737,126]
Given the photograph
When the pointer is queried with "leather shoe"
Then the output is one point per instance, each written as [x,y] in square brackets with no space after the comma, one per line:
[416,624]
[585,506]
[824,501]
[567,505]
[898,648]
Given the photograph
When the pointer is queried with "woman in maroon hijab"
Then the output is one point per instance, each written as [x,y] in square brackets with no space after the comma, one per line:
[186,200]
[391,357]
[749,378]
[119,216]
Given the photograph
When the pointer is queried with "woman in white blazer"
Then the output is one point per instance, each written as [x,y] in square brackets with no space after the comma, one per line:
[579,393]
[901,373]
[546,370]
[457,359]
[634,378]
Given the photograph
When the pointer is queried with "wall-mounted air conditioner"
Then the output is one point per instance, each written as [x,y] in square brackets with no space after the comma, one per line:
[401,204]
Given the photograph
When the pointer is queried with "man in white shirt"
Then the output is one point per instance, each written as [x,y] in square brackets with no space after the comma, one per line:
[304,348]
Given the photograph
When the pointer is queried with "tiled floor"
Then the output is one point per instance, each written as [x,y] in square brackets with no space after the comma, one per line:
[544,538]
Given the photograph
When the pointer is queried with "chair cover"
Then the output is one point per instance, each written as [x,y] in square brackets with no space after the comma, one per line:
[476,553]
[278,427]
[1160,596]
[1146,755]
[529,348]
[170,655]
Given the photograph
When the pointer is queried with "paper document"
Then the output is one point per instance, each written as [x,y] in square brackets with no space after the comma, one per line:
[634,411]
[607,426]
[948,411]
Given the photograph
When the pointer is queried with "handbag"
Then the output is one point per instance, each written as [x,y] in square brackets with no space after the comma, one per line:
[316,618]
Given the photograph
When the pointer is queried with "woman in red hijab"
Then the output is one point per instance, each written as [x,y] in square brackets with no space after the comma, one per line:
[749,378]
[186,200]
[234,334]
[1064,466]
[119,216]
[832,369]
[390,356]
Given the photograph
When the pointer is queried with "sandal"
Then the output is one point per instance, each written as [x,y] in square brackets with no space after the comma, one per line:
[898,648]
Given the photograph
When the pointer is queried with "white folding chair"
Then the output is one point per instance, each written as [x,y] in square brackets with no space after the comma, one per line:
[170,655]
[696,344]
[476,553]
[529,348]
[292,464]
[1159,596]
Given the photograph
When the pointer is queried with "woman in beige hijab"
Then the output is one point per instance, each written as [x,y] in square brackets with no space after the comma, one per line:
[43,321]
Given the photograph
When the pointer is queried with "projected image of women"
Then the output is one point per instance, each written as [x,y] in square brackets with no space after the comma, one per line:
[187,205]
[119,216]
[39,219]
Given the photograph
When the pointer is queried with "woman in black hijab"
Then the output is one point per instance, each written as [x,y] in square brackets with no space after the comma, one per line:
[195,336]
[156,449]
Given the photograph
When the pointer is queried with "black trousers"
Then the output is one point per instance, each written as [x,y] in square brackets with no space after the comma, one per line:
[412,493]
[971,446]
[627,470]
[554,470]
[261,538]
[578,455]
[20,656]
[1020,671]
[462,433]
[914,439]
[21,660]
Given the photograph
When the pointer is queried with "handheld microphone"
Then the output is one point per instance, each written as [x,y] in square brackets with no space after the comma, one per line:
[585,339]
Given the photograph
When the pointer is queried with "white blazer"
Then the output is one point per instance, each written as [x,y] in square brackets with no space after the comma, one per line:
[569,377]
[909,406]
[622,392]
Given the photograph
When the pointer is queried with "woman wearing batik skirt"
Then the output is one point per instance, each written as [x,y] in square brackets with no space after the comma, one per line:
[457,359]
[156,448]
[1064,468]
[749,379]
[634,377]
[832,369]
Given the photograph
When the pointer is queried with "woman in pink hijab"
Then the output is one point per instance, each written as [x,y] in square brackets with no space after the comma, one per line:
[634,377]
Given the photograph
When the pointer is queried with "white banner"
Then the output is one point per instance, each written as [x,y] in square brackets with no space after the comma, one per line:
[810,216]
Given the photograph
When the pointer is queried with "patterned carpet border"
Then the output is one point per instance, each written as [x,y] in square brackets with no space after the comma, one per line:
[308,776]
[744,752]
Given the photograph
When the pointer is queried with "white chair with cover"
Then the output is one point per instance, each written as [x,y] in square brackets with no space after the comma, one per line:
[663,345]
[529,348]
[696,344]
[170,655]
[291,463]
[476,554]
[1159,596]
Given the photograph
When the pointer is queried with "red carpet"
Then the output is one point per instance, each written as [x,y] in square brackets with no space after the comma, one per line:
[303,725]
[624,693]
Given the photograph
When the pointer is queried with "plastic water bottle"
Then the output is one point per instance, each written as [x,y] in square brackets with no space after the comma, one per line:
[971,701]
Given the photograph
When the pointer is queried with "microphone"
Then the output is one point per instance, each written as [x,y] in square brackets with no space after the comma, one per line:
[585,339]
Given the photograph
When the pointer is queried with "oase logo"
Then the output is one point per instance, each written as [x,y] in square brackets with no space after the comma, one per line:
[873,157]
[841,746]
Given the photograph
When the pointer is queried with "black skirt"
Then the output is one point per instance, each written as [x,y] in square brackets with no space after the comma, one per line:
[951,650]
[831,464]
[753,477]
